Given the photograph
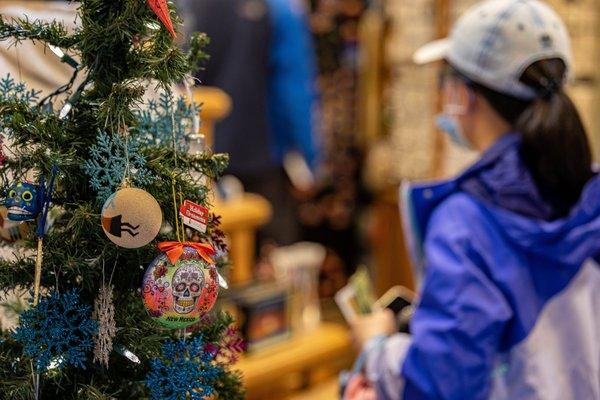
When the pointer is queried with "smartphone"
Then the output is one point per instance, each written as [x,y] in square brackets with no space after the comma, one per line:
[396,299]
[400,301]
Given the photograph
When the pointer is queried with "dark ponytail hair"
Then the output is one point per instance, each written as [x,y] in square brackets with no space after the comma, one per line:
[555,146]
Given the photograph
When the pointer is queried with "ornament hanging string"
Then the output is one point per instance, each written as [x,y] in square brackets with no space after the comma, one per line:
[179,226]
[175,249]
[175,210]
[35,376]
[126,182]
[123,130]
[188,88]
[126,173]
[41,231]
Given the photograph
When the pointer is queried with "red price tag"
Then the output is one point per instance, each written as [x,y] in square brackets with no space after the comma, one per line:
[194,215]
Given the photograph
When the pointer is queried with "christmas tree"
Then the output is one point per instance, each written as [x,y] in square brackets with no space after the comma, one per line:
[90,330]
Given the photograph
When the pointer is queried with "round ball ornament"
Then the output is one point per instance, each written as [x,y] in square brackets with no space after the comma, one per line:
[181,285]
[131,218]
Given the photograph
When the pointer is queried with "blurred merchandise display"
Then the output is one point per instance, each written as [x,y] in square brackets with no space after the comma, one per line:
[329,212]
[262,312]
[296,268]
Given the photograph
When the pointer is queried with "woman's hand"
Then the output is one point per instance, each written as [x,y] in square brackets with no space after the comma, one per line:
[378,323]
[359,388]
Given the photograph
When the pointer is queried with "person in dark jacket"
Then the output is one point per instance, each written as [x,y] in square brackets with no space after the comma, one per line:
[261,54]
[507,253]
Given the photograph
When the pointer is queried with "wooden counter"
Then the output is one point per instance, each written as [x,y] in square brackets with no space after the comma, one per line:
[307,357]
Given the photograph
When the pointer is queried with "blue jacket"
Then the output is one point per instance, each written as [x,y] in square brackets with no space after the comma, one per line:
[261,54]
[292,96]
[509,300]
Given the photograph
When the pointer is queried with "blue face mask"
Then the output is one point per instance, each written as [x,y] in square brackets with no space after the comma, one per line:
[451,126]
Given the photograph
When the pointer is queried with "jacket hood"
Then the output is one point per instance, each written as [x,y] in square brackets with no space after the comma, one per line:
[504,188]
[570,240]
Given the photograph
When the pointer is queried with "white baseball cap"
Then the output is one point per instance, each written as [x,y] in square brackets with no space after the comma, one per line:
[496,40]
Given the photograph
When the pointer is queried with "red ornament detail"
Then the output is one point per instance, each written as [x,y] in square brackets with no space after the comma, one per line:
[161,10]
[2,155]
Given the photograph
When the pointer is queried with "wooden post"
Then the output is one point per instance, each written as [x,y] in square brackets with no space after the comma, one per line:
[215,105]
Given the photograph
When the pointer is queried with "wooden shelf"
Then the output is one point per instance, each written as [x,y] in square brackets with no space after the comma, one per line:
[328,390]
[240,218]
[248,211]
[327,347]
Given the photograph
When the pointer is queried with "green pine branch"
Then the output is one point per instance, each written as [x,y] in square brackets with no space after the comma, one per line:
[19,29]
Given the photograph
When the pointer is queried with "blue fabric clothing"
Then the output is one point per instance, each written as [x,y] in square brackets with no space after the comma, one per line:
[292,96]
[239,32]
[509,296]
[260,54]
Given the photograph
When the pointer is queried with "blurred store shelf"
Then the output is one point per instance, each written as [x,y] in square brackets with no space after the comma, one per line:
[305,360]
[242,216]
[328,390]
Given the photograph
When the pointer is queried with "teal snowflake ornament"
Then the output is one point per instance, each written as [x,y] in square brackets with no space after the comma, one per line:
[185,371]
[108,162]
[13,92]
[10,90]
[160,119]
[58,331]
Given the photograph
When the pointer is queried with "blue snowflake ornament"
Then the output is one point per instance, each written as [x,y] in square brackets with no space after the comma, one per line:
[58,331]
[11,91]
[160,119]
[185,371]
[108,161]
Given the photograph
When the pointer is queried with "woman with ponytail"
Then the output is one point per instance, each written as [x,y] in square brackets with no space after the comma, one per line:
[506,254]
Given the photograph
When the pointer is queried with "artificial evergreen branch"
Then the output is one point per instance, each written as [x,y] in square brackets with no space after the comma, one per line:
[20,29]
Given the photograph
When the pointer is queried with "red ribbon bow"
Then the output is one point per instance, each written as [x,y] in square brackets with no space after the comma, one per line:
[174,250]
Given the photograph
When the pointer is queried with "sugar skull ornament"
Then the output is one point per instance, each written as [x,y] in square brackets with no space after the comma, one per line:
[178,289]
[187,284]
[24,202]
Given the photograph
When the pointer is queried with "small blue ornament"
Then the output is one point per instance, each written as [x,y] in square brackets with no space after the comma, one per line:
[109,160]
[166,119]
[57,332]
[186,370]
[12,91]
[24,202]
[15,93]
